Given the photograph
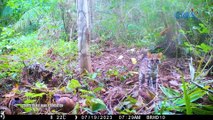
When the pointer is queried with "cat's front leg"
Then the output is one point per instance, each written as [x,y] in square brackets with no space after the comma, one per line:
[154,83]
[141,79]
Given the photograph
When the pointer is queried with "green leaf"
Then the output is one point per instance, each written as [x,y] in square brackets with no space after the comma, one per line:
[97,104]
[94,75]
[195,95]
[128,111]
[170,93]
[124,112]
[208,107]
[132,100]
[38,94]
[199,111]
[87,94]
[186,97]
[89,98]
[73,84]
[27,109]
[76,109]
[210,96]
[182,31]
[28,94]
[40,85]
[28,101]
[206,48]
[198,93]
[97,89]
[116,72]
[33,95]
[203,29]
[179,102]
[86,91]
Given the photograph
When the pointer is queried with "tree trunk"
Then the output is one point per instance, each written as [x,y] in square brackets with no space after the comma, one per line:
[83,23]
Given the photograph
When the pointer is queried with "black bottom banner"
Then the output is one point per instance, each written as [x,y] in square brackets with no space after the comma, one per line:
[106,117]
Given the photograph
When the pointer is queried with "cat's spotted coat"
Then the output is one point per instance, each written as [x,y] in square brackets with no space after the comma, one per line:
[148,71]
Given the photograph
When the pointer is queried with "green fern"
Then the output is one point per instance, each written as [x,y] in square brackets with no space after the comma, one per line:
[30,16]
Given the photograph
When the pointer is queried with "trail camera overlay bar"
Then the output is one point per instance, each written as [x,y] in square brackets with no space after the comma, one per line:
[2,115]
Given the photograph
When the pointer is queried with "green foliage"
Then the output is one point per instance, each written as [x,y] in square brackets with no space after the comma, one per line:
[198,50]
[29,29]
[27,16]
[40,85]
[65,54]
[34,95]
[92,77]
[126,107]
[97,104]
[113,72]
[6,32]
[72,85]
[198,32]
[204,47]
[186,100]
[94,104]
[95,49]
[13,9]
[175,101]
[31,100]
[118,73]
[29,19]
[67,48]
[136,22]
[76,109]
[18,49]
[15,50]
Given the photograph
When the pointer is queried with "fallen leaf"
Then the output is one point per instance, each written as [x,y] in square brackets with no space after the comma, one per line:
[103,90]
[133,72]
[120,57]
[9,95]
[140,102]
[132,50]
[15,88]
[174,83]
[134,61]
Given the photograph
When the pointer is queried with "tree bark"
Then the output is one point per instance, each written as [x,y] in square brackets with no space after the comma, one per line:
[83,23]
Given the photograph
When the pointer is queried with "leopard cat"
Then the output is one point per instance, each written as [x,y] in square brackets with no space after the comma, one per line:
[148,71]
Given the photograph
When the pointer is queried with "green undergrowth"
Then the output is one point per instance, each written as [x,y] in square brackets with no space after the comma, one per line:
[17,51]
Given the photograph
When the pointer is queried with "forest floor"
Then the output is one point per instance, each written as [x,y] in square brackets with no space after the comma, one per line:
[114,81]
[120,59]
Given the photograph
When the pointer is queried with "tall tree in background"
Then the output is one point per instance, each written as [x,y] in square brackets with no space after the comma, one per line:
[83,24]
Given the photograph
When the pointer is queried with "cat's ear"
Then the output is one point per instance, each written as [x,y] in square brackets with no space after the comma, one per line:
[149,55]
[160,55]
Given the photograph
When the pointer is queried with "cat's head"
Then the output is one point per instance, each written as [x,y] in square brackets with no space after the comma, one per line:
[154,59]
